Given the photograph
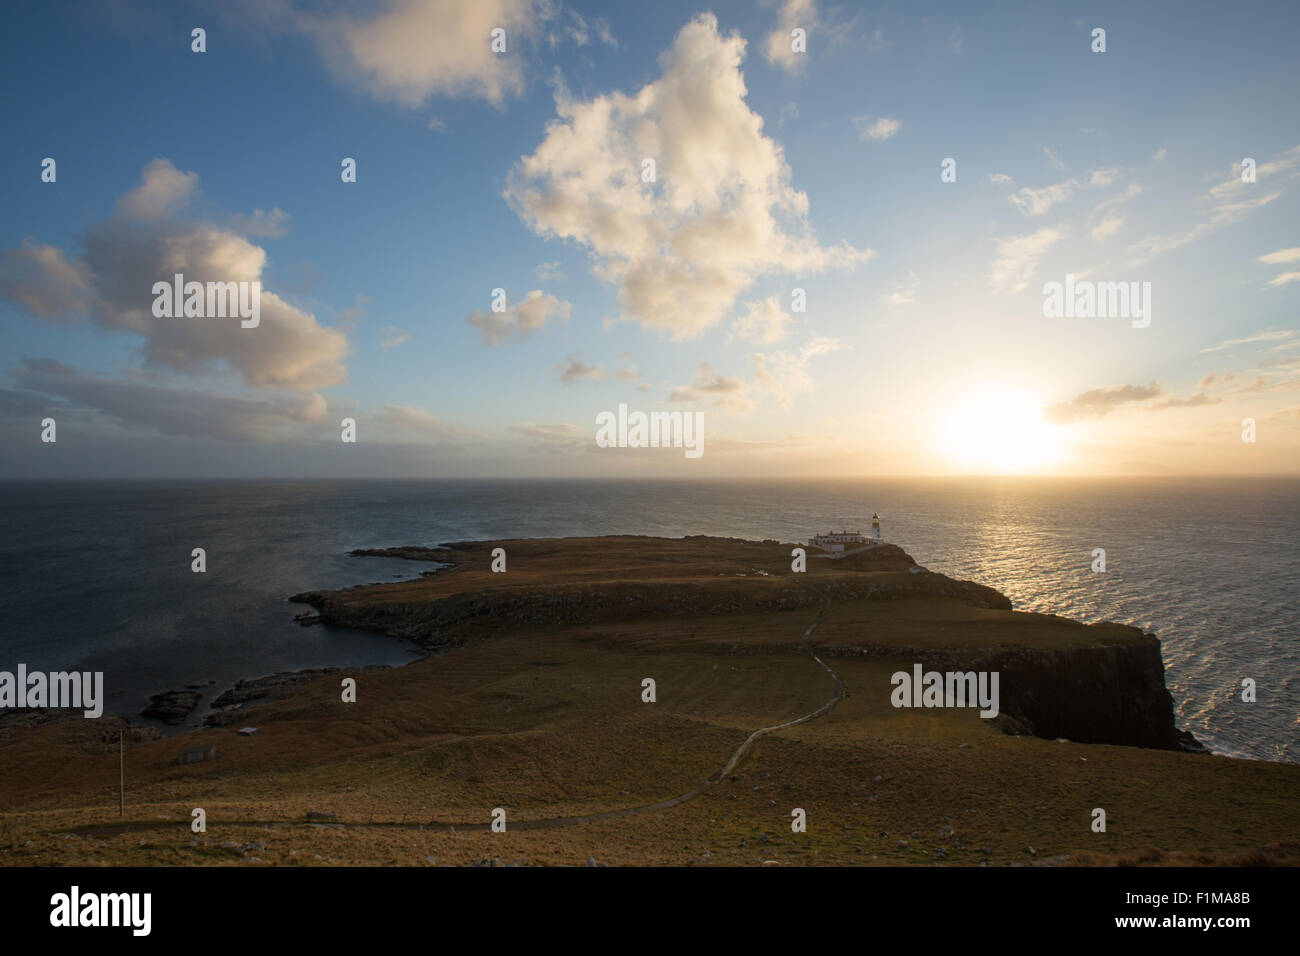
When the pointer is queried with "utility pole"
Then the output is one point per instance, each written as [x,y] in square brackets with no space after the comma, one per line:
[121,774]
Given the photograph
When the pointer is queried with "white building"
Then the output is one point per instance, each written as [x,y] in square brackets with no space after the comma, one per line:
[848,540]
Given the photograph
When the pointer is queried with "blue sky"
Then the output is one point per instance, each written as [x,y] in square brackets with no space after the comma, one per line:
[929,354]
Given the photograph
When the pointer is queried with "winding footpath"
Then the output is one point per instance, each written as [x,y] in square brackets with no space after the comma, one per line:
[548,822]
[730,765]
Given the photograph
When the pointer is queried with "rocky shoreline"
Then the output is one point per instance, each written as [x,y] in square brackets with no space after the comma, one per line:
[174,707]
[232,705]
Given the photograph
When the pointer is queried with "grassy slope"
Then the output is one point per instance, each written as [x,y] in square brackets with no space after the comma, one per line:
[548,721]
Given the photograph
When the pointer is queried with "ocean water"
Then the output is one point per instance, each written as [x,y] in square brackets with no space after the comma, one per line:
[97,575]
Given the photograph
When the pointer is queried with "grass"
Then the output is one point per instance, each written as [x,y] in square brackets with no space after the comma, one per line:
[547,721]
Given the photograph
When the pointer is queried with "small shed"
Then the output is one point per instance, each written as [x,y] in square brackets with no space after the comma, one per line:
[196,754]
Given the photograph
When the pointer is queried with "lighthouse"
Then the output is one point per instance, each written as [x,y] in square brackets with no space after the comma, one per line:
[875,529]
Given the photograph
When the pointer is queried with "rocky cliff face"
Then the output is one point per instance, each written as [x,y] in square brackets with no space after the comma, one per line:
[1108,694]
[1109,691]
[1113,694]
[447,621]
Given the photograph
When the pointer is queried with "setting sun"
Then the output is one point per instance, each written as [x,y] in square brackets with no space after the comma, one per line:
[998,429]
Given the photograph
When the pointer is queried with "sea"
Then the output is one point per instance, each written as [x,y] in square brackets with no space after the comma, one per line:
[97,575]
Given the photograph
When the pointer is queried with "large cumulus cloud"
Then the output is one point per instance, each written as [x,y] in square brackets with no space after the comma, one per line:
[148,239]
[720,213]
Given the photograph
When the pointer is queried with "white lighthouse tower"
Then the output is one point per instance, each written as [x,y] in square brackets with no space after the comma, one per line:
[875,529]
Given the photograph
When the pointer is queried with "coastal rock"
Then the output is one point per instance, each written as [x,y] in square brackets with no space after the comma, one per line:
[229,707]
[408,552]
[1112,694]
[172,707]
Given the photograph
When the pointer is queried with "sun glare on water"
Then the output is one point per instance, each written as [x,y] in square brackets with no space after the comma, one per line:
[997,429]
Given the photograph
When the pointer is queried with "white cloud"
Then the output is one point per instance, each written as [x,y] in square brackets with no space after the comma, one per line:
[1233,186]
[707,382]
[764,321]
[522,319]
[549,272]
[178,412]
[778,375]
[273,224]
[1017,259]
[1160,155]
[1134,190]
[579,31]
[1109,219]
[562,438]
[391,337]
[411,50]
[778,46]
[722,212]
[163,192]
[1227,204]
[1282,256]
[1274,336]
[627,370]
[721,391]
[350,316]
[574,369]
[1000,179]
[1036,202]
[784,375]
[415,422]
[1107,227]
[603,32]
[873,42]
[877,128]
[560,432]
[150,239]
[1099,402]
[44,282]
[1222,215]
[905,292]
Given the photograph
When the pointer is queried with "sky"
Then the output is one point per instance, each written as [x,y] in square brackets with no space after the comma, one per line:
[826,232]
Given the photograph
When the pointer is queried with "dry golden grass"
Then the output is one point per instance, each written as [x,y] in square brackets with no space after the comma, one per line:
[549,722]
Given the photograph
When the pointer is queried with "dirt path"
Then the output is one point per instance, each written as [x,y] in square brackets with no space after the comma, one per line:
[549,822]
